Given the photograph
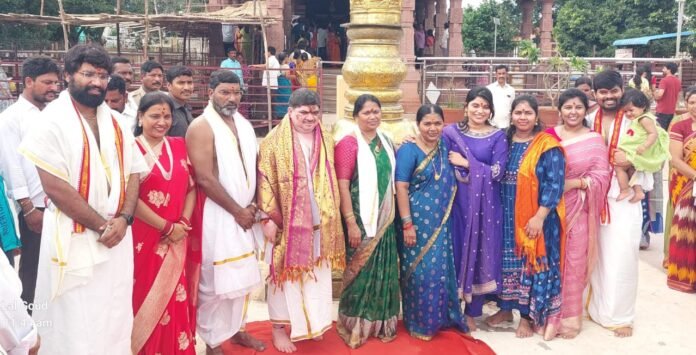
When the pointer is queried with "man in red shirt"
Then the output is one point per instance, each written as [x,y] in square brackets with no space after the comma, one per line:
[667,94]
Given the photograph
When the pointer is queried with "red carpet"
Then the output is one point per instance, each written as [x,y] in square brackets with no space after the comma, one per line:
[446,342]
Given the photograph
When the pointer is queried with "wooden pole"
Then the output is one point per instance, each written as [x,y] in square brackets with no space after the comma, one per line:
[265,47]
[118,28]
[64,25]
[146,39]
[42,8]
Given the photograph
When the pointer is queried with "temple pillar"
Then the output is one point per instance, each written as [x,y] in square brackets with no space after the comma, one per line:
[527,7]
[275,33]
[410,99]
[456,47]
[440,19]
[429,15]
[546,28]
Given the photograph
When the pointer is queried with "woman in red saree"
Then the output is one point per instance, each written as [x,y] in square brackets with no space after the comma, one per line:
[587,181]
[681,263]
[162,306]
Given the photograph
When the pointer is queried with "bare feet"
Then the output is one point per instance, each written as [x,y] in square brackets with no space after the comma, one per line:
[500,317]
[281,341]
[568,335]
[623,194]
[524,330]
[246,340]
[623,332]
[471,323]
[638,195]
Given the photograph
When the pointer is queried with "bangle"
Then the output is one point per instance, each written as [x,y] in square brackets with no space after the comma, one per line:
[406,219]
[185,221]
[349,216]
[30,212]
[167,229]
[408,225]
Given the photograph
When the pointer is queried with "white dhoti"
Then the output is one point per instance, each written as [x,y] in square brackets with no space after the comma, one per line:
[614,281]
[229,268]
[84,290]
[306,305]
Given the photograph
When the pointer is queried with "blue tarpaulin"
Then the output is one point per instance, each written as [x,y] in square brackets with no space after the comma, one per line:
[645,40]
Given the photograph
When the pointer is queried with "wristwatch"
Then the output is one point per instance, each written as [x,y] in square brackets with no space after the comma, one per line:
[127,217]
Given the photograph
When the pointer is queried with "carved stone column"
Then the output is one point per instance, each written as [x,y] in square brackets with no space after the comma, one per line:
[527,7]
[441,17]
[374,64]
[546,28]
[275,33]
[456,47]
[429,15]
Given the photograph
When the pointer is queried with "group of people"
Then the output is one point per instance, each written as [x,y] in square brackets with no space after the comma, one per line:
[136,236]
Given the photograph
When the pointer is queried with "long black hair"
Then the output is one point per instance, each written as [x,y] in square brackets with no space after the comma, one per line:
[482,92]
[532,102]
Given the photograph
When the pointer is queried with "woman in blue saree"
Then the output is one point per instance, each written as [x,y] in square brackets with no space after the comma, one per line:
[425,190]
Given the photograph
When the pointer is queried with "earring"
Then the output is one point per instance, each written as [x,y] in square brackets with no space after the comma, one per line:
[140,123]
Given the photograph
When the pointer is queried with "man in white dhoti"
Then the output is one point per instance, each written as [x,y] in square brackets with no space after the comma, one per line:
[88,166]
[298,191]
[222,148]
[614,281]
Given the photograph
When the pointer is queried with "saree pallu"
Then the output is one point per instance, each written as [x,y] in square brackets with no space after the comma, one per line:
[280,101]
[428,279]
[681,267]
[369,303]
[161,303]
[672,190]
[585,159]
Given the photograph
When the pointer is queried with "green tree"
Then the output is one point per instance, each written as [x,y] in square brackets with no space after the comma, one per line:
[478,28]
[587,27]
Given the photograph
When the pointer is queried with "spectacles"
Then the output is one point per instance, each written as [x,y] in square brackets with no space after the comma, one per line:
[91,75]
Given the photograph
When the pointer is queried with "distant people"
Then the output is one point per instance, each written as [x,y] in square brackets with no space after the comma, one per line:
[228,36]
[641,82]
[180,87]
[429,43]
[503,94]
[584,84]
[166,198]
[322,40]
[41,77]
[152,77]
[285,85]
[667,95]
[302,46]
[233,65]
[222,146]
[333,47]
[444,40]
[271,76]
[122,67]
[419,40]
[117,98]
[89,166]
[646,149]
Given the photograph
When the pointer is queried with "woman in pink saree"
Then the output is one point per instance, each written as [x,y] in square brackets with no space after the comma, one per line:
[162,302]
[586,185]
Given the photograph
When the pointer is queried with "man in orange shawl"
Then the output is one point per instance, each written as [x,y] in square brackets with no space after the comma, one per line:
[298,191]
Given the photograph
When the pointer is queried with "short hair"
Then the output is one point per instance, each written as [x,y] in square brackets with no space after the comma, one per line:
[116,82]
[223,77]
[86,53]
[36,66]
[177,71]
[362,100]
[271,50]
[427,109]
[672,67]
[607,79]
[150,65]
[232,49]
[302,44]
[502,66]
[304,97]
[281,57]
[636,98]
[119,60]
[572,94]
[583,80]
[151,99]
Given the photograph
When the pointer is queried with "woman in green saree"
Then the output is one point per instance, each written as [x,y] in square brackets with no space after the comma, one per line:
[364,162]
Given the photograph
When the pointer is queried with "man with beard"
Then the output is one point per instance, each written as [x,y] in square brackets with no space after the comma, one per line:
[116,97]
[180,87]
[152,77]
[40,76]
[89,167]
[221,145]
[614,281]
